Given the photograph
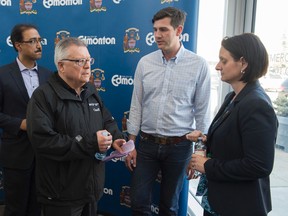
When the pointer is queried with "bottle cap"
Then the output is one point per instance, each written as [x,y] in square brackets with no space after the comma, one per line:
[199,139]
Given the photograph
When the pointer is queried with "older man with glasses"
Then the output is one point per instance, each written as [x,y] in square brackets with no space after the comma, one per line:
[68,125]
[18,80]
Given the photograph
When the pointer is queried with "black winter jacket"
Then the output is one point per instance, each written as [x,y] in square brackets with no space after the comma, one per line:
[67,172]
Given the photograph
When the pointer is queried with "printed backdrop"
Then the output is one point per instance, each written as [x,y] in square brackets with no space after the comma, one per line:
[118,34]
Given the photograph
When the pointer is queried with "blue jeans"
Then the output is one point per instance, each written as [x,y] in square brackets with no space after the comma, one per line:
[172,160]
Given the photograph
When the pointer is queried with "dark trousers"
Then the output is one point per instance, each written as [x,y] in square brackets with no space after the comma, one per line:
[206,213]
[88,209]
[172,160]
[20,192]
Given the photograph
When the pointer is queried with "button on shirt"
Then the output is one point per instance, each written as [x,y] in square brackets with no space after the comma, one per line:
[30,77]
[168,95]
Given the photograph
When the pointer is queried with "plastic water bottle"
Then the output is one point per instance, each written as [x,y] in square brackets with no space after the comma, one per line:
[199,149]
[102,155]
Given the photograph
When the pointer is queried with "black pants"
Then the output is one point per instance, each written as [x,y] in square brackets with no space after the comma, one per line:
[20,192]
[207,213]
[88,209]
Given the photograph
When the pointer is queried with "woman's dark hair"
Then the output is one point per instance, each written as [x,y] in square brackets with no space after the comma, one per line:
[249,47]
[17,33]
[177,16]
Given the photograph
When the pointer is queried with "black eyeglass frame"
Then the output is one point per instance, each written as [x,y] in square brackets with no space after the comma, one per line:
[80,62]
[33,41]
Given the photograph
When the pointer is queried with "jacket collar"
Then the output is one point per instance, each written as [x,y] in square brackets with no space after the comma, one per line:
[229,104]
[64,91]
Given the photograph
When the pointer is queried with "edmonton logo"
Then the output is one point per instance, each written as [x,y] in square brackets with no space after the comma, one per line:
[168,1]
[94,40]
[5,3]
[121,80]
[155,209]
[108,191]
[61,3]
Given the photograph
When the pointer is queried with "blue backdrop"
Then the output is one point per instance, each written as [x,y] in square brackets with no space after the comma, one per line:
[119,33]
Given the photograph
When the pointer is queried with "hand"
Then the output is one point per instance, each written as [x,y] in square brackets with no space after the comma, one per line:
[130,160]
[197,162]
[117,144]
[190,171]
[104,139]
[23,125]
[193,136]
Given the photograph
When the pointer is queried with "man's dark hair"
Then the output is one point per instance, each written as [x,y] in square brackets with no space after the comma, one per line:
[177,16]
[17,33]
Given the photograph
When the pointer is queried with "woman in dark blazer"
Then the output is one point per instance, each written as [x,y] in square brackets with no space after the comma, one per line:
[241,139]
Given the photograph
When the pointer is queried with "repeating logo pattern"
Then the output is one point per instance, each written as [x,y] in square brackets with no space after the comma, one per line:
[130,39]
[96,6]
[56,21]
[26,7]
[61,35]
[97,77]
[61,3]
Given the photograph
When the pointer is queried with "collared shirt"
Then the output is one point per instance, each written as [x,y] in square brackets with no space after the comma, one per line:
[169,95]
[30,77]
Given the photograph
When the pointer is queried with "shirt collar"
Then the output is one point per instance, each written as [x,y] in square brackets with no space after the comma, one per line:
[177,57]
[23,68]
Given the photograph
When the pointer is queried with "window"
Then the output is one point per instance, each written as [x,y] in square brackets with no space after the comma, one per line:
[210,34]
[271,27]
[220,18]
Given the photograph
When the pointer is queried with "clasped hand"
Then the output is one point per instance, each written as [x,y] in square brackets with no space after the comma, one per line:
[197,161]
[105,141]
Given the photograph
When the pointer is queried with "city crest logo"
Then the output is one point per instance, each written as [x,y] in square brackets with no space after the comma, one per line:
[125,196]
[26,7]
[97,76]
[130,39]
[96,6]
[61,35]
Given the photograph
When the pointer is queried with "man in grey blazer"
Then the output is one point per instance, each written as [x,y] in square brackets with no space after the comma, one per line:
[18,80]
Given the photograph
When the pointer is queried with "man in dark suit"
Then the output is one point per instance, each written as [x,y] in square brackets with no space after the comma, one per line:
[18,80]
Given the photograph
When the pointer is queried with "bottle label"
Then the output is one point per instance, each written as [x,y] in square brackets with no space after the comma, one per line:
[100,156]
[201,152]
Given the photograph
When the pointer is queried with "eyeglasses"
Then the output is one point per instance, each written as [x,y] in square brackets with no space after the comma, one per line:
[81,62]
[33,41]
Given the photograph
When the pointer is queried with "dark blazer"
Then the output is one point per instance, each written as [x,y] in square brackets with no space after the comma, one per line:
[241,142]
[15,149]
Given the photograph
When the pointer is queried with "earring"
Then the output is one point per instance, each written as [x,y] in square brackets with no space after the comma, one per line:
[242,72]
